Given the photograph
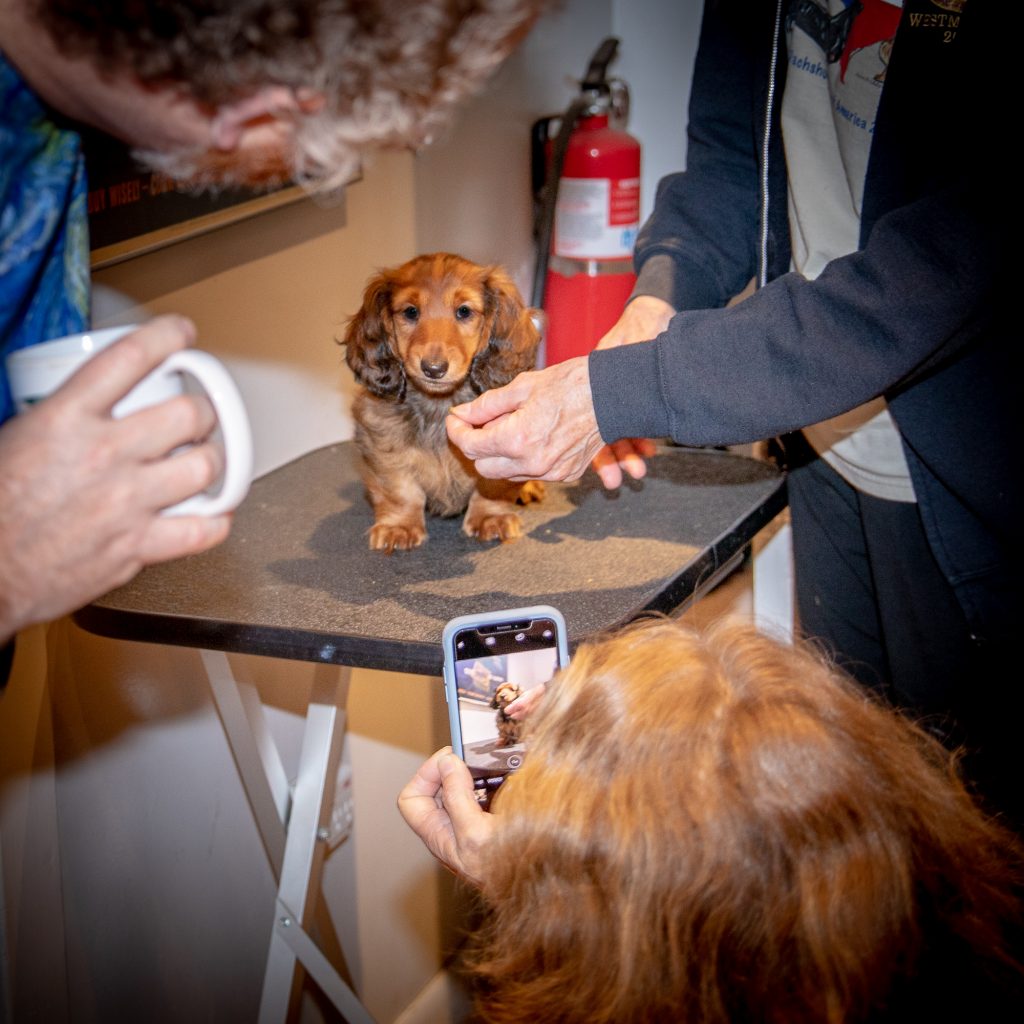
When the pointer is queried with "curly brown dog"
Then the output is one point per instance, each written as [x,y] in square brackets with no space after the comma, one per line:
[509,730]
[433,333]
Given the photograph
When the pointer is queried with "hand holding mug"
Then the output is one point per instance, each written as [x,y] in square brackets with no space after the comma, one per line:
[92,490]
[37,372]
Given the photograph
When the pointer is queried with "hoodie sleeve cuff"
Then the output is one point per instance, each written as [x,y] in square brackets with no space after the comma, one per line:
[624,385]
[683,284]
[657,278]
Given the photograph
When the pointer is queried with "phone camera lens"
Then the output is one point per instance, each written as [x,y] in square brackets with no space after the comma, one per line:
[520,637]
[490,641]
[547,634]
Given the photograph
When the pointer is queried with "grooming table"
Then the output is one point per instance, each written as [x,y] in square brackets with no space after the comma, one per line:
[297,580]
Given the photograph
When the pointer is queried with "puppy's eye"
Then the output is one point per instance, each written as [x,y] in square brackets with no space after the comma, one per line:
[464,312]
[411,313]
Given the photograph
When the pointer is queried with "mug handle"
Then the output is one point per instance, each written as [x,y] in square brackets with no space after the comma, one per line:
[234,426]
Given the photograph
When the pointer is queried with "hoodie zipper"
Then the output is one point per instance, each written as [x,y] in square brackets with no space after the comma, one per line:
[762,273]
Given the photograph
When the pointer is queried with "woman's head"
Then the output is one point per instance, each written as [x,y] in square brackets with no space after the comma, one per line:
[717,826]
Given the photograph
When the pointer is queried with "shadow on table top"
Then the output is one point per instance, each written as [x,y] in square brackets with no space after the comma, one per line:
[297,579]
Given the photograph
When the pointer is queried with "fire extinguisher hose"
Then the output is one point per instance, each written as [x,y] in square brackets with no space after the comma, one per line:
[546,214]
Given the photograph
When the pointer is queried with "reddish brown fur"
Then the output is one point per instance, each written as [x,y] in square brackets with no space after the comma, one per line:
[716,827]
[433,333]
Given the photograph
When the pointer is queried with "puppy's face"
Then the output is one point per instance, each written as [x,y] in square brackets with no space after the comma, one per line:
[504,695]
[439,321]
[434,322]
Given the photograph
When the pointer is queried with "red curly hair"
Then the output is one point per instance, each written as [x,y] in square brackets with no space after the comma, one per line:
[720,828]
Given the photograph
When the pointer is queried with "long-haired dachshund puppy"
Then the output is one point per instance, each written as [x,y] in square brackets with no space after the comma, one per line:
[433,333]
[510,730]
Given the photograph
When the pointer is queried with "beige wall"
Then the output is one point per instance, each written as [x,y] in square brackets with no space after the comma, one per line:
[135,884]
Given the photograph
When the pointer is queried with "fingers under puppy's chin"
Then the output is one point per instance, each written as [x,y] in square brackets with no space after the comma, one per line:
[459,414]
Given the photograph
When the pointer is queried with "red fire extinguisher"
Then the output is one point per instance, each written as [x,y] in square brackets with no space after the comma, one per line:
[586,184]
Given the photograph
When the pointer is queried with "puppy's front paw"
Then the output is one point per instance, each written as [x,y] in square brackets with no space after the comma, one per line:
[393,536]
[532,490]
[496,526]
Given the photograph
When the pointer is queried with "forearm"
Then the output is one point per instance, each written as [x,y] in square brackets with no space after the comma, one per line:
[698,248]
[797,352]
[644,318]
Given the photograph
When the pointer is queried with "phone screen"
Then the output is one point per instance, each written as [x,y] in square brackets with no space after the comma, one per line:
[494,665]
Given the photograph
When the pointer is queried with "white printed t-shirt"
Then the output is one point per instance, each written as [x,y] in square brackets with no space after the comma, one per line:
[837,63]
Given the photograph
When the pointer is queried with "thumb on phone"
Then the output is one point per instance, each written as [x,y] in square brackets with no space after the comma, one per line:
[472,826]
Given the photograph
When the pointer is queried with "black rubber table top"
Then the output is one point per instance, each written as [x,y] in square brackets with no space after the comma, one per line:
[296,578]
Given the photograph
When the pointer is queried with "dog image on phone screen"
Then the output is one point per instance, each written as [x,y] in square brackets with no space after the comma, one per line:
[432,333]
[510,731]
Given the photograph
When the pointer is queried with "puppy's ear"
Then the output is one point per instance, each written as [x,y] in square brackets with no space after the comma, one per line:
[369,350]
[513,336]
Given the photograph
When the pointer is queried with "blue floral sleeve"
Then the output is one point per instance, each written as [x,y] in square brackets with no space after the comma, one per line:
[44,233]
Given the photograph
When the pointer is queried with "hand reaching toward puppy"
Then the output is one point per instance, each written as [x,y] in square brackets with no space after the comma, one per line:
[81,492]
[543,426]
[522,707]
[540,427]
[439,805]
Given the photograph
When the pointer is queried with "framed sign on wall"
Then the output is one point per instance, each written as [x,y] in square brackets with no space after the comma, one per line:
[134,211]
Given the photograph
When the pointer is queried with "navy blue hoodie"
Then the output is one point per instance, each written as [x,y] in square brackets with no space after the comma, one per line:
[920,314]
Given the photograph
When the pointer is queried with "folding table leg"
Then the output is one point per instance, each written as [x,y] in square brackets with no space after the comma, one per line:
[774,602]
[256,757]
[312,801]
[294,829]
[305,950]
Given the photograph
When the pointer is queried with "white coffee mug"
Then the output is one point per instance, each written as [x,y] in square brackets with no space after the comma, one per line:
[36,372]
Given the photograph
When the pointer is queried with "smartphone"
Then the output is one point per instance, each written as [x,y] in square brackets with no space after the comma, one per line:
[489,660]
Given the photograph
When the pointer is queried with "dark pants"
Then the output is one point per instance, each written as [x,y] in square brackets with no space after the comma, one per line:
[869,590]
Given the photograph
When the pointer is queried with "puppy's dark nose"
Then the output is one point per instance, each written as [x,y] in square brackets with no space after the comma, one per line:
[435,369]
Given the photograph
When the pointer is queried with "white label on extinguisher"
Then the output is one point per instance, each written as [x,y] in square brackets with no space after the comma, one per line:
[597,218]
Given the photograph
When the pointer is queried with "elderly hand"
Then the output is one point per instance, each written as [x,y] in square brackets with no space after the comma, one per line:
[541,426]
[81,492]
[439,805]
[643,319]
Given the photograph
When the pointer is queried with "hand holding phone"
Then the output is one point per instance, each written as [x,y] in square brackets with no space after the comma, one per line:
[496,665]
[439,805]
